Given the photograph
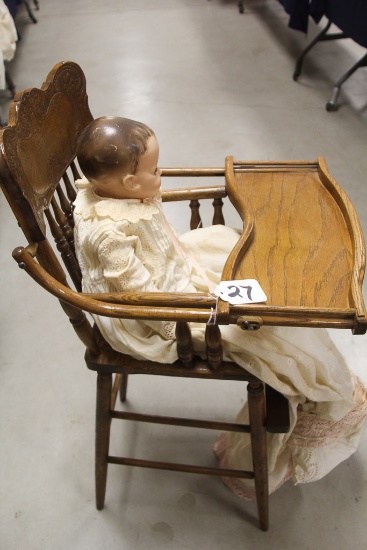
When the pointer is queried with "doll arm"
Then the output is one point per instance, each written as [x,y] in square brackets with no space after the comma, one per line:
[123,270]
[119,256]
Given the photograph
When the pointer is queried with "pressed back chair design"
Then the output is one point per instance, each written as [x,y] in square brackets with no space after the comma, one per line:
[37,173]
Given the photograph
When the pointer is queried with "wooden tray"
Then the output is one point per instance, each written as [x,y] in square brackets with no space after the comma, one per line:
[302,241]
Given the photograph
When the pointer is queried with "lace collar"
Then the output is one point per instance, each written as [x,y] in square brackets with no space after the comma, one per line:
[90,205]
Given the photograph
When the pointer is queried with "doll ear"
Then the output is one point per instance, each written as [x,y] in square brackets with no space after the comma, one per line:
[130,182]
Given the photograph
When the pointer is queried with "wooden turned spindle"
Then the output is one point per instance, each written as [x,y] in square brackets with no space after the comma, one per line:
[60,240]
[185,350]
[218,218]
[65,206]
[82,327]
[67,252]
[214,350]
[195,221]
[75,172]
[62,221]
[69,188]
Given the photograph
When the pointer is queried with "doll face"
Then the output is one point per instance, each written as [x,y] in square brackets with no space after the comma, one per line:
[147,179]
[142,185]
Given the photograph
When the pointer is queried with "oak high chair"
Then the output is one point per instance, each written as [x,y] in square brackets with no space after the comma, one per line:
[37,170]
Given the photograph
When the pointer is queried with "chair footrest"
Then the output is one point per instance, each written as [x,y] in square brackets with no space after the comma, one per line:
[187,422]
[179,467]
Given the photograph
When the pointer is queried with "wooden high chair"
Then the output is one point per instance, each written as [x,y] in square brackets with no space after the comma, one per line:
[37,171]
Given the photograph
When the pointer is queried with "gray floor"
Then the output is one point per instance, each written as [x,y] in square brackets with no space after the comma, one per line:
[210,82]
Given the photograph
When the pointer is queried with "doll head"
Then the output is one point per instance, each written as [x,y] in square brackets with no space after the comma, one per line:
[119,156]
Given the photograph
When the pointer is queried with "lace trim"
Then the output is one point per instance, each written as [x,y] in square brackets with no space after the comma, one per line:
[310,434]
[243,488]
[169,330]
[313,431]
[83,183]
[90,205]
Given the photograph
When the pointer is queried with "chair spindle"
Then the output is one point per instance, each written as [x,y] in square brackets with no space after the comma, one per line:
[66,206]
[185,349]
[195,220]
[70,190]
[218,218]
[64,248]
[75,171]
[81,326]
[214,350]
[63,222]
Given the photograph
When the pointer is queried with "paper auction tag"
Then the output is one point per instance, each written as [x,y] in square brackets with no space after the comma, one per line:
[246,291]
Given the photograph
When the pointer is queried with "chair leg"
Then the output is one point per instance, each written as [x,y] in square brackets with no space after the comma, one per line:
[123,387]
[103,426]
[256,403]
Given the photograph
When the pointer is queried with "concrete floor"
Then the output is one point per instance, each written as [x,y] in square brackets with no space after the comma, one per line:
[210,82]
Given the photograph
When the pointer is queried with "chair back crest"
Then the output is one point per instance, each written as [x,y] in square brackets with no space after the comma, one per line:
[39,144]
[37,152]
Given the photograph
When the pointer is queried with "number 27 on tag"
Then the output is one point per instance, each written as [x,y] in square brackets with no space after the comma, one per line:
[246,291]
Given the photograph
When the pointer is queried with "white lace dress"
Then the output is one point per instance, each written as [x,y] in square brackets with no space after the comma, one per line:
[129,245]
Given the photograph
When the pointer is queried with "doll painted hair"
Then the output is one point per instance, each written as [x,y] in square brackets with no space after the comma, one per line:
[110,145]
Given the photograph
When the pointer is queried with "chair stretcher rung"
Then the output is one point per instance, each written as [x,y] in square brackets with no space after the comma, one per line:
[187,422]
[186,468]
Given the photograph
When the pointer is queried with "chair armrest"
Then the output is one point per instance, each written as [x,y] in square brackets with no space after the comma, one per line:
[189,193]
[169,299]
[192,172]
[129,306]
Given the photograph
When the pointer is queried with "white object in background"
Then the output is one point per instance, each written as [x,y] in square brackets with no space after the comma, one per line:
[8,39]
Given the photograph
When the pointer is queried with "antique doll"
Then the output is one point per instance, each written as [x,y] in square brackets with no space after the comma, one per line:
[124,242]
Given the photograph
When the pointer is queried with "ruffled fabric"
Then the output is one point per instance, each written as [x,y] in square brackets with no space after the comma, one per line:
[127,245]
[314,446]
[89,205]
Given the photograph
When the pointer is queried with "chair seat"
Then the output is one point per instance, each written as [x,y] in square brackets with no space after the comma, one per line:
[110,361]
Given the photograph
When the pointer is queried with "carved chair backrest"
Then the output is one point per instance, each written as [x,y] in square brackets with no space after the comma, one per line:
[37,169]
[37,152]
[37,148]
